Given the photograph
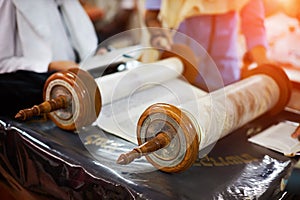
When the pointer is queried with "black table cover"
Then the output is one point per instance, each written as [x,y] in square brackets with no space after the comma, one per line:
[41,161]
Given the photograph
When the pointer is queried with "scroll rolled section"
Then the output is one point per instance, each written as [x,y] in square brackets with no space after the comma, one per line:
[265,89]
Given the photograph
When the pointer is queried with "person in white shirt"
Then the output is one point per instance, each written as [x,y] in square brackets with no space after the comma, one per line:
[36,33]
[39,37]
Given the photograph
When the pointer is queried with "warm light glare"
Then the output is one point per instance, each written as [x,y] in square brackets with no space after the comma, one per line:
[290,7]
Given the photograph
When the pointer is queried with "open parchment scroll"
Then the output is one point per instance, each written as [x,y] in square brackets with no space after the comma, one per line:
[125,95]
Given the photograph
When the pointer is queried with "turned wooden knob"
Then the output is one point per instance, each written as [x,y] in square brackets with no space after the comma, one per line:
[71,100]
[59,102]
[167,138]
[160,141]
[85,100]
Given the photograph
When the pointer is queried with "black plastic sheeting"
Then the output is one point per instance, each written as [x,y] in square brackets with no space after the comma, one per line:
[41,161]
[292,183]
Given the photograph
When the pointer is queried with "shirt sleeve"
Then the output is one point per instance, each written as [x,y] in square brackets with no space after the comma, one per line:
[11,58]
[252,24]
[152,4]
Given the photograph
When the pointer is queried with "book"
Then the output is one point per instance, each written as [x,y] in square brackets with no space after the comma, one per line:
[278,138]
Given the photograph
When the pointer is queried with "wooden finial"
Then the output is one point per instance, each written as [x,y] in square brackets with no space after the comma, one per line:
[174,142]
[43,108]
[160,141]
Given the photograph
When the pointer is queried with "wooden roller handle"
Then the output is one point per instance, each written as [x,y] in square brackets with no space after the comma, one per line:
[45,107]
[160,141]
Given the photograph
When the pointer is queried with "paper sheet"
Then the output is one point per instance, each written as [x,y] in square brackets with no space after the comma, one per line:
[278,138]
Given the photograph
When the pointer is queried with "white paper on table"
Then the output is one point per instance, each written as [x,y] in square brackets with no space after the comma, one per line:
[278,138]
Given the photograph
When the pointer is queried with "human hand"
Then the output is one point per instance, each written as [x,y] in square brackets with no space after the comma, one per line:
[162,40]
[259,56]
[62,65]
[102,50]
[253,58]
[296,134]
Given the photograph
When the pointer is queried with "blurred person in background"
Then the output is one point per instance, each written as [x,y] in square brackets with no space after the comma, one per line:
[118,16]
[38,38]
[215,25]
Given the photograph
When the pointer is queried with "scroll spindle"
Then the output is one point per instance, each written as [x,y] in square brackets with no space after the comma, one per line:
[59,102]
[160,141]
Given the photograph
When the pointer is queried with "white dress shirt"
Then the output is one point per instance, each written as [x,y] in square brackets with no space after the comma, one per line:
[34,33]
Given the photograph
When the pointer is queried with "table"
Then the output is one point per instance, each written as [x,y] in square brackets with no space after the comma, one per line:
[41,161]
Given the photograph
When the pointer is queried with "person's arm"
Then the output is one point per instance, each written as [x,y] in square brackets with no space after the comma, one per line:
[151,18]
[252,26]
[159,37]
[11,56]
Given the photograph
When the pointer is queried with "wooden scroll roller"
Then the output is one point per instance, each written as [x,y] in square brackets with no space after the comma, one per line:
[171,137]
[71,99]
